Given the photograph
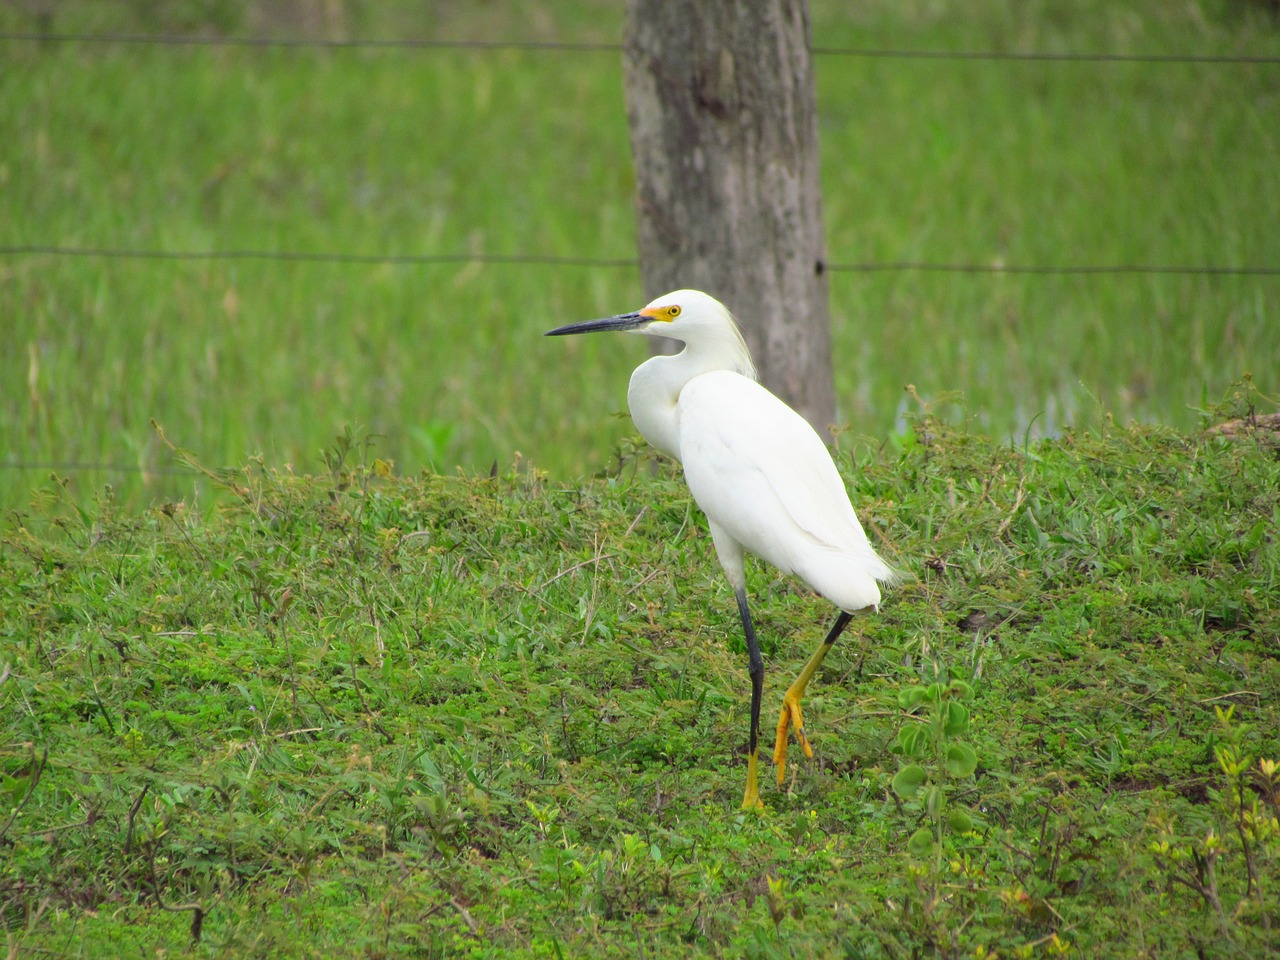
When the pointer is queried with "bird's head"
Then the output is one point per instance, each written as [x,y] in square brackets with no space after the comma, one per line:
[685,315]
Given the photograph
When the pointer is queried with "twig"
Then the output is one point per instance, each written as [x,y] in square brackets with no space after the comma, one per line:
[197,910]
[298,732]
[577,566]
[377,636]
[643,511]
[50,831]
[595,582]
[133,812]
[36,774]
[355,683]
[1228,696]
[1017,502]
[188,459]
[466,916]
[282,607]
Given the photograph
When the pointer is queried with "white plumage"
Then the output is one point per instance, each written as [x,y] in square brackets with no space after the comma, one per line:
[759,472]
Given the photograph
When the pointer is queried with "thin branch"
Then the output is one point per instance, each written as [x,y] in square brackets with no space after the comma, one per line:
[1017,503]
[133,812]
[198,911]
[577,566]
[36,773]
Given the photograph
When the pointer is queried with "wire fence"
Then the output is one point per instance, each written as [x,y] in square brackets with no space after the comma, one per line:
[428,259]
[419,259]
[552,47]
[78,466]
[536,46]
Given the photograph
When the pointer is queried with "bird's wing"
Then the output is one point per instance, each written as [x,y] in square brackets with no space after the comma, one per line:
[760,471]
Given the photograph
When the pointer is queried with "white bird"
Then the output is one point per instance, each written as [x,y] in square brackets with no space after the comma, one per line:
[759,472]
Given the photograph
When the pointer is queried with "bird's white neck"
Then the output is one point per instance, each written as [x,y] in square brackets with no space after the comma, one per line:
[656,384]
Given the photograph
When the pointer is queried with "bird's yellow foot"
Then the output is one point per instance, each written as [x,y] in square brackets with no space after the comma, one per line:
[751,799]
[791,716]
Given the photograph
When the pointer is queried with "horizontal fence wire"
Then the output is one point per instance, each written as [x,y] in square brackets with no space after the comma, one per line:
[871,53]
[295,256]
[573,261]
[629,262]
[200,40]
[1076,269]
[76,466]
[428,259]
[1042,56]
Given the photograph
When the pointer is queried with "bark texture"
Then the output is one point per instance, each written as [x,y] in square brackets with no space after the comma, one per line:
[723,124]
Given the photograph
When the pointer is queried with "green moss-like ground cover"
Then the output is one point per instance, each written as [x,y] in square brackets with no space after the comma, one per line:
[369,715]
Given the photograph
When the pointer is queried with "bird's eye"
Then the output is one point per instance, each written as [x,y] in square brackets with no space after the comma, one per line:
[673,312]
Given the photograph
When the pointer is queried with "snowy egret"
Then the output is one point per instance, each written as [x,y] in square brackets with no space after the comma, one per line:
[759,472]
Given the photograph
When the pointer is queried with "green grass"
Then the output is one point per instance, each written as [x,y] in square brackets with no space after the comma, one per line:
[507,152]
[363,715]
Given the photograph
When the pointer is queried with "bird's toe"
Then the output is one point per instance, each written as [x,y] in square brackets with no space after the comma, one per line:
[790,718]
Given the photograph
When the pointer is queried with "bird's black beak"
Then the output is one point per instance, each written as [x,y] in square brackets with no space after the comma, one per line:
[624,321]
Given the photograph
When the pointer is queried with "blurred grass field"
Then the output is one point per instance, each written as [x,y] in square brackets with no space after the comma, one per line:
[422,151]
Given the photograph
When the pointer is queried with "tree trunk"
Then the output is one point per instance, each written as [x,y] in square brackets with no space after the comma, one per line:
[723,122]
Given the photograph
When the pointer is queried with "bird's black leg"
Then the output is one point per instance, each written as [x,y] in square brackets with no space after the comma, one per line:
[837,628]
[751,800]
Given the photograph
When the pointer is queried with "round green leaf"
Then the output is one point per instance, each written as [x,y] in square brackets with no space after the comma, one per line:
[921,842]
[957,719]
[935,800]
[958,821]
[913,741]
[909,780]
[910,697]
[961,690]
[961,760]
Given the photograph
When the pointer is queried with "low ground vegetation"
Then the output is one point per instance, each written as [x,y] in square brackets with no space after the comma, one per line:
[367,715]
